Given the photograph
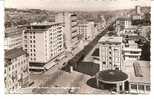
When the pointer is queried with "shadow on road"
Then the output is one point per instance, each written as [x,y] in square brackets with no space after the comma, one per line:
[88,68]
[92,83]
[110,87]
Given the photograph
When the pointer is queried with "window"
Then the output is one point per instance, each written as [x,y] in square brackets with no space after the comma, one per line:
[25,37]
[148,88]
[25,45]
[141,87]
[104,63]
[133,86]
[33,41]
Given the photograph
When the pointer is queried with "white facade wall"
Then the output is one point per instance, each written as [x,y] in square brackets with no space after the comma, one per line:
[19,70]
[13,42]
[70,29]
[48,43]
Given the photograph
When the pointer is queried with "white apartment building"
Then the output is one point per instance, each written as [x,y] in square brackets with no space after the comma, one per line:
[44,43]
[87,30]
[131,51]
[71,35]
[13,38]
[110,51]
[16,74]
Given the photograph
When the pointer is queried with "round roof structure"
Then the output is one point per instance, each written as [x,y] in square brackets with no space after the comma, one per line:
[111,76]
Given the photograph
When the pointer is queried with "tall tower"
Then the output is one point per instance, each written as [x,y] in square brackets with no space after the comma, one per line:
[69,20]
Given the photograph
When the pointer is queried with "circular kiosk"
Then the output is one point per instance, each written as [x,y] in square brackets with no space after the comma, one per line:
[112,77]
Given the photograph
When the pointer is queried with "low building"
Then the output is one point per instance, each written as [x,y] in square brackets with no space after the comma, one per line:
[16,74]
[138,76]
[44,42]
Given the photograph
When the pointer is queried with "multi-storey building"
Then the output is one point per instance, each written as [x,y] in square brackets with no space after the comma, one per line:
[70,29]
[13,38]
[131,51]
[16,60]
[87,30]
[110,50]
[16,74]
[44,43]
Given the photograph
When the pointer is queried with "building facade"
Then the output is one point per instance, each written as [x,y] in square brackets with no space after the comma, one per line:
[43,42]
[122,23]
[13,38]
[71,35]
[131,51]
[110,50]
[87,30]
[16,74]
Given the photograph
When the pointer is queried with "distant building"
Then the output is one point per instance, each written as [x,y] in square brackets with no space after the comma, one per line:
[44,43]
[122,23]
[138,14]
[13,38]
[86,29]
[130,31]
[70,29]
[137,17]
[110,50]
[145,31]
[99,27]
[16,74]
[138,9]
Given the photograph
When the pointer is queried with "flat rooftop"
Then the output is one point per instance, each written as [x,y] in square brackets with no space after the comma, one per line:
[13,31]
[44,23]
[14,53]
[108,39]
[145,67]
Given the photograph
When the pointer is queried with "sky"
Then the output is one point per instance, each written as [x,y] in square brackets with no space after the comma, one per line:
[85,5]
